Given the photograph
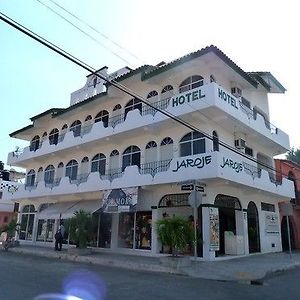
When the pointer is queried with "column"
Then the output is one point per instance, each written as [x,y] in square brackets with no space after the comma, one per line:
[114,231]
[241,231]
[154,241]
[207,254]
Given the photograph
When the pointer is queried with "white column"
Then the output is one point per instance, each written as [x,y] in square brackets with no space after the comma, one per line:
[34,228]
[114,231]
[242,229]
[207,254]
[154,241]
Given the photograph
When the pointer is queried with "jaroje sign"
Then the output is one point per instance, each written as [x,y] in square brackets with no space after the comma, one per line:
[187,97]
[198,162]
[227,162]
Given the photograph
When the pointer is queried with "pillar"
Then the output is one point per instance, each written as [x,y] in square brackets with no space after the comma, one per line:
[154,241]
[207,254]
[242,228]
[114,231]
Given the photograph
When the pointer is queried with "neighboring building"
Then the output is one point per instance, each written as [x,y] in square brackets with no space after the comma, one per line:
[291,170]
[130,165]
[9,182]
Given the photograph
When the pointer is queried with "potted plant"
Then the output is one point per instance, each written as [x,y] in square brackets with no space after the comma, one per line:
[177,233]
[79,230]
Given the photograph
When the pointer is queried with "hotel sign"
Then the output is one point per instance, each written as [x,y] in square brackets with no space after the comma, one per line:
[190,96]
[227,98]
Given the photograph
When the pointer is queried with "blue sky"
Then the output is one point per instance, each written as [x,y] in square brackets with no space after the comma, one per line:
[258,36]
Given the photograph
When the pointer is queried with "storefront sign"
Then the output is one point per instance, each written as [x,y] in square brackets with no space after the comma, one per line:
[227,98]
[272,223]
[236,166]
[187,97]
[198,162]
[214,241]
[120,200]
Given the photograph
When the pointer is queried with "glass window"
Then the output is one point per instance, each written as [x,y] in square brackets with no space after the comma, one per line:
[131,157]
[76,128]
[192,143]
[133,104]
[102,116]
[166,89]
[49,174]
[35,143]
[143,228]
[27,220]
[152,94]
[99,163]
[72,169]
[190,83]
[126,230]
[53,136]
[30,178]
[45,230]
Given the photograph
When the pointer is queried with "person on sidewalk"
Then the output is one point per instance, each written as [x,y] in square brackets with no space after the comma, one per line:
[59,237]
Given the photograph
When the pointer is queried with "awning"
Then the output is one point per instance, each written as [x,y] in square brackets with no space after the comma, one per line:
[66,210]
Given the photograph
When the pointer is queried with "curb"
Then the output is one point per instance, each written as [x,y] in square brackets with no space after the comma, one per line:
[111,262]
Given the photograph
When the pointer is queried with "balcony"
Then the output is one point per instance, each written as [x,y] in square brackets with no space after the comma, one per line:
[212,100]
[226,167]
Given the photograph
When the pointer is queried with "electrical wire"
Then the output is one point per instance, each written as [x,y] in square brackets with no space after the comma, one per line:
[123,88]
[86,34]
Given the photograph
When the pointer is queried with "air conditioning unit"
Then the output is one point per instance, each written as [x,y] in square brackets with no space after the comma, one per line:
[240,143]
[237,92]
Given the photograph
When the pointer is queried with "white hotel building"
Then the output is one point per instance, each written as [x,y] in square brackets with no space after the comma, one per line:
[125,162]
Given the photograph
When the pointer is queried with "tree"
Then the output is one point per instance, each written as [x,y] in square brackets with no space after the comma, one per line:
[175,232]
[294,155]
[79,228]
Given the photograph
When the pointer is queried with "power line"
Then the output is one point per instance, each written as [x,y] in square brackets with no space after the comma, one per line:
[86,34]
[98,31]
[123,88]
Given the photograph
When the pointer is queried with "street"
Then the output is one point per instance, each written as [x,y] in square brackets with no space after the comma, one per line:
[27,277]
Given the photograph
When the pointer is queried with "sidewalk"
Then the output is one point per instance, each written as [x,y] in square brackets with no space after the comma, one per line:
[244,269]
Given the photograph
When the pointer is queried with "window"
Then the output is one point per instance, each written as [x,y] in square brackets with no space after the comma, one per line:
[166,149]
[39,174]
[88,118]
[53,136]
[60,170]
[192,143]
[35,143]
[72,169]
[99,163]
[151,152]
[27,220]
[190,83]
[114,160]
[49,174]
[76,128]
[152,94]
[45,230]
[267,207]
[166,89]
[133,104]
[65,126]
[248,151]
[212,78]
[30,178]
[117,107]
[215,141]
[102,116]
[131,157]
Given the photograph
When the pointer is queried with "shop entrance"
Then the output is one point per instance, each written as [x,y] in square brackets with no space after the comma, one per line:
[227,218]
[284,234]
[105,230]
[253,228]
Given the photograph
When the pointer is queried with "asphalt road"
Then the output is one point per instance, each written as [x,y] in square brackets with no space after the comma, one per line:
[28,277]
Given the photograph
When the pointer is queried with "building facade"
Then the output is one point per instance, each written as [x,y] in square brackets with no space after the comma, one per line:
[130,164]
[290,170]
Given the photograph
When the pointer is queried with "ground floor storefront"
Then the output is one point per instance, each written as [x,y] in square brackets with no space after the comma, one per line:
[230,221]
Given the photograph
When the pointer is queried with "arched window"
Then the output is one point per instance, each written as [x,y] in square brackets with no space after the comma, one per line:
[72,169]
[212,78]
[84,166]
[151,152]
[167,88]
[99,163]
[76,128]
[114,160]
[133,104]
[35,143]
[166,93]
[166,149]
[192,143]
[88,118]
[215,141]
[44,137]
[49,174]
[65,126]
[30,178]
[117,107]
[190,83]
[152,94]
[60,170]
[39,174]
[53,136]
[27,221]
[102,116]
[131,157]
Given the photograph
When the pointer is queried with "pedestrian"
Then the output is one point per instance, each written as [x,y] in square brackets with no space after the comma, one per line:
[59,237]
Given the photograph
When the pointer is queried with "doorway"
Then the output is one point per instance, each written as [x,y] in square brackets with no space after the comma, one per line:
[105,230]
[284,234]
[253,228]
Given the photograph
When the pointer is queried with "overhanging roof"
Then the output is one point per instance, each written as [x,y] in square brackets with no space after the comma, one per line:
[52,111]
[274,85]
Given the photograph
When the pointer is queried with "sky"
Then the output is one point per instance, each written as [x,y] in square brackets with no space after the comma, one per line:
[257,35]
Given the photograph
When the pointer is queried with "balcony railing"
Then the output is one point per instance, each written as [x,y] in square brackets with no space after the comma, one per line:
[153,168]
